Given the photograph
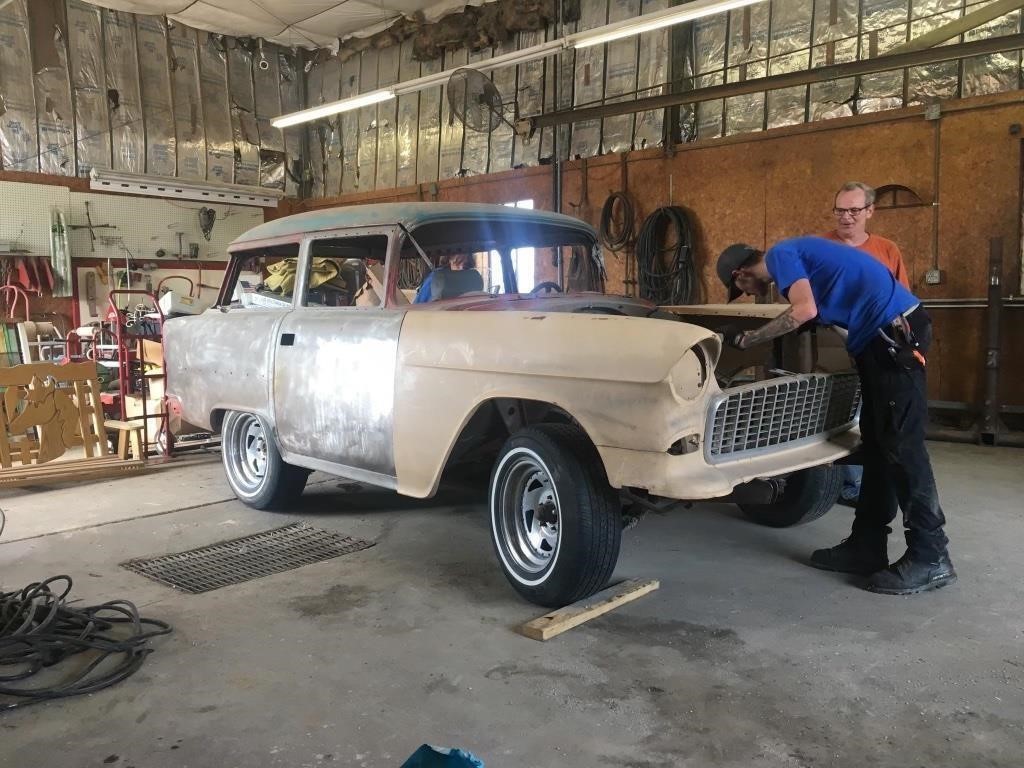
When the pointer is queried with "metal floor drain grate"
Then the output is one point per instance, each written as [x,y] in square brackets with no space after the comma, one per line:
[246,558]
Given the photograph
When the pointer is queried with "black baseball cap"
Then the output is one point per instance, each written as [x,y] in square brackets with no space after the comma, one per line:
[731,259]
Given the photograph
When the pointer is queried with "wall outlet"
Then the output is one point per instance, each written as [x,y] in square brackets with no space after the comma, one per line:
[934,277]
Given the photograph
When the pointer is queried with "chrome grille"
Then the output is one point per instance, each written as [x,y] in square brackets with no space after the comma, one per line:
[761,416]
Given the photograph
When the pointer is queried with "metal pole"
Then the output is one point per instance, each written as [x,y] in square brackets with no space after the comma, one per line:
[788,80]
[990,422]
[556,166]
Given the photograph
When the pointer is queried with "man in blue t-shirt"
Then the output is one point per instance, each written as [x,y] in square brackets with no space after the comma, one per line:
[888,333]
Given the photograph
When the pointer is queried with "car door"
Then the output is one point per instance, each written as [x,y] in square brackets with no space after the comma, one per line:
[334,369]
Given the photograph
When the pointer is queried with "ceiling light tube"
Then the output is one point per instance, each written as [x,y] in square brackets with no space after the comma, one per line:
[532,53]
[333,108]
[514,58]
[657,20]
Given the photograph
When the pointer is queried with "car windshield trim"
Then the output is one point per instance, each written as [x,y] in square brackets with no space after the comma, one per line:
[416,245]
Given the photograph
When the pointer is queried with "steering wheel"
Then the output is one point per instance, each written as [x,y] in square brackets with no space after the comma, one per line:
[548,285]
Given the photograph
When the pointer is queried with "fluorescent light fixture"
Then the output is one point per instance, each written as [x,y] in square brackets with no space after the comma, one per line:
[333,108]
[512,59]
[616,31]
[165,186]
[657,20]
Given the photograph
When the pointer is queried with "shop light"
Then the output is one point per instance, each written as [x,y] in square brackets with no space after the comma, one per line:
[657,20]
[333,108]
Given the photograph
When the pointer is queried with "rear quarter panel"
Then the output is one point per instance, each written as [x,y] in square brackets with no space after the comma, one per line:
[221,360]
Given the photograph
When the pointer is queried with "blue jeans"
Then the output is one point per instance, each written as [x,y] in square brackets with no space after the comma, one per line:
[852,474]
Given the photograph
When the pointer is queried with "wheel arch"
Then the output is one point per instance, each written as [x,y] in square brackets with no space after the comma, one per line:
[489,423]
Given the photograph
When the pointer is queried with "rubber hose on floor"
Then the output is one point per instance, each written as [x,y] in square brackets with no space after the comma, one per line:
[103,644]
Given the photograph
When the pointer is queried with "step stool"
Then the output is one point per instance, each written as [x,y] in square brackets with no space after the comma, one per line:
[128,433]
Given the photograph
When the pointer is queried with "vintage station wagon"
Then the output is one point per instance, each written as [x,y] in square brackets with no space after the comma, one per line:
[317,357]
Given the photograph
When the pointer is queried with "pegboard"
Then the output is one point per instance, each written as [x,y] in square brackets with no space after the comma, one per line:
[146,225]
[204,296]
[143,225]
[25,215]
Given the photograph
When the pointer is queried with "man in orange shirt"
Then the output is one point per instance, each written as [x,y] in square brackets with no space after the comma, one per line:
[853,206]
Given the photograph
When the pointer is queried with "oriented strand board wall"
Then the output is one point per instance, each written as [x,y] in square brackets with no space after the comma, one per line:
[780,183]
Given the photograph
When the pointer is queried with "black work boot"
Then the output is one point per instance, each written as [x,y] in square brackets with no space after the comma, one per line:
[860,554]
[908,576]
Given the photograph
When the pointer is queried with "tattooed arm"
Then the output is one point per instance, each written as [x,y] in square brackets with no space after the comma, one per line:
[803,309]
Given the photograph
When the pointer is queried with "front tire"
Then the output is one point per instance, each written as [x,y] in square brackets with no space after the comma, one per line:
[556,523]
[809,494]
[253,465]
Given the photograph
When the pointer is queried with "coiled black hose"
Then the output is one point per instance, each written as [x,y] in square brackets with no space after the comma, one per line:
[666,273]
[106,643]
[610,238]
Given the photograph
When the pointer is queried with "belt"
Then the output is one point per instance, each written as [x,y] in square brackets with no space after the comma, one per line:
[897,321]
[908,313]
[901,327]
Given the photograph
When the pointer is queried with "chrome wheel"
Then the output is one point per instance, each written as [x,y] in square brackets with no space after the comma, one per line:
[247,453]
[527,515]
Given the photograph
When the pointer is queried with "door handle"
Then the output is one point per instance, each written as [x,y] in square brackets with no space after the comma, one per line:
[287,339]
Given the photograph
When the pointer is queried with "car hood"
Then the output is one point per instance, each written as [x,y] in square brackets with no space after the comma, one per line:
[596,303]
[564,344]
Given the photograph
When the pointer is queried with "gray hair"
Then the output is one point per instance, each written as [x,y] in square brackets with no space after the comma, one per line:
[851,186]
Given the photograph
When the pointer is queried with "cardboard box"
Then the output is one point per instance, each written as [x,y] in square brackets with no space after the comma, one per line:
[153,352]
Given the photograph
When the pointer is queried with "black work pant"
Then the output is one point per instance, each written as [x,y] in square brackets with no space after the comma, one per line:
[897,470]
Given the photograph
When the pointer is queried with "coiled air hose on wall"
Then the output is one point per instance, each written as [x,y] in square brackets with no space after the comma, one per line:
[665,273]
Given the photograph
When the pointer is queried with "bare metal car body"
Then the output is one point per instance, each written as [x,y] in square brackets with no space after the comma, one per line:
[384,394]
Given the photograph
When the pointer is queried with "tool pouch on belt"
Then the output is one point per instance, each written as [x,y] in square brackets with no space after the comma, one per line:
[906,350]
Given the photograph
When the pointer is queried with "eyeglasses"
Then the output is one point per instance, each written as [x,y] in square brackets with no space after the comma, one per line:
[855,212]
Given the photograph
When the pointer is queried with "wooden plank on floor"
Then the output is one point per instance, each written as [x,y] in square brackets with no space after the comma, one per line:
[85,470]
[555,623]
[64,468]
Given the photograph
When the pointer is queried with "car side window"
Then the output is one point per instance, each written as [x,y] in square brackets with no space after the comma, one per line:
[264,278]
[346,271]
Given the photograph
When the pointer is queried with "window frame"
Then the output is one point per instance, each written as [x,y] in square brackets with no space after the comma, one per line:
[234,270]
[302,278]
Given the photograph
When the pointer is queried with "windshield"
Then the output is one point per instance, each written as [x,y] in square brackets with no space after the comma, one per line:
[492,257]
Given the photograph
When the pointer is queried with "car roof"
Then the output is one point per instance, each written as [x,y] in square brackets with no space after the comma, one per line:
[410,215]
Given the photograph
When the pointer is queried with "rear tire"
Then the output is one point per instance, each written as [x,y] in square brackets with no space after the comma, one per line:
[253,465]
[556,523]
[809,494]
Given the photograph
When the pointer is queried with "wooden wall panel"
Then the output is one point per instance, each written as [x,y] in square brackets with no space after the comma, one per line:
[1011,382]
[979,195]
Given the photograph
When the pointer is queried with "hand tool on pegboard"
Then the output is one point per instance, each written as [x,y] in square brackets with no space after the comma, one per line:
[91,227]
[90,294]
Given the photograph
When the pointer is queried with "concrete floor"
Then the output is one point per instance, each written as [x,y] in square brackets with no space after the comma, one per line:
[744,657]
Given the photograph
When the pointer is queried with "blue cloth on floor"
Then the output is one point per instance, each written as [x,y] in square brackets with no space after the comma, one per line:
[441,757]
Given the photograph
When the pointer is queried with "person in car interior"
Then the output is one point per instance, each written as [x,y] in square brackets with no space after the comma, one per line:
[455,276]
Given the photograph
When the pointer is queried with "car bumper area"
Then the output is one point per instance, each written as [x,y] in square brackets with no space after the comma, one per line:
[690,476]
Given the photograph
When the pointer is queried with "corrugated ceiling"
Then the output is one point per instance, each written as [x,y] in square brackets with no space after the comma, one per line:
[305,23]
